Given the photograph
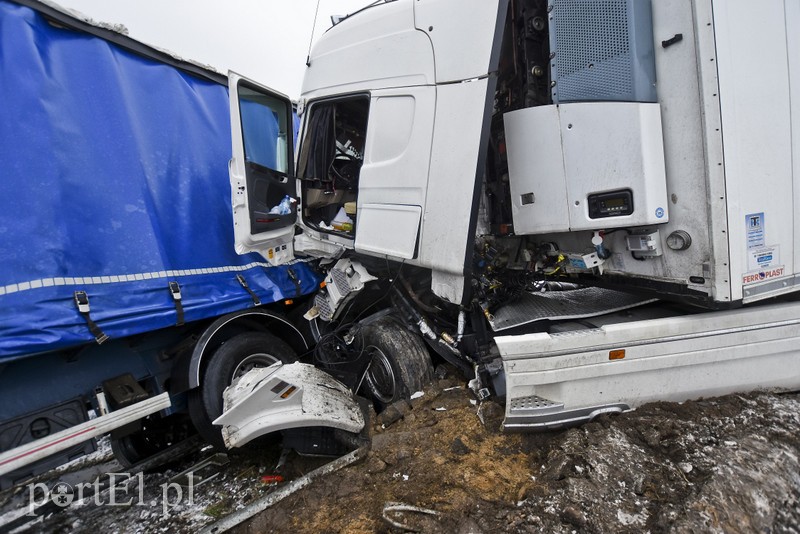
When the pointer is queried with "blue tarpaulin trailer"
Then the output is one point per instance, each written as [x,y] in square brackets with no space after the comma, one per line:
[114,183]
[115,216]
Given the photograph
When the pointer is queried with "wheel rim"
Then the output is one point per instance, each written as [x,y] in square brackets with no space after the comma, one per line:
[380,375]
[251,362]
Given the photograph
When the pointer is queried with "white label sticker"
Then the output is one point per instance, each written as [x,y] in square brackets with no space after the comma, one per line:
[755,230]
[763,258]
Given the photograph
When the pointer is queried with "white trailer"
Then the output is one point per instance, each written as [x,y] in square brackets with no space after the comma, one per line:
[536,172]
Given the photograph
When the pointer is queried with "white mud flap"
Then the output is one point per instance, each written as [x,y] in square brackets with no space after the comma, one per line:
[280,397]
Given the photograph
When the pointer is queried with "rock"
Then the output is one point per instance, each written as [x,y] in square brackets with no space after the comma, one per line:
[393,413]
[375,465]
[573,516]
[651,436]
[638,485]
[493,415]
[468,526]
[344,490]
[441,372]
[557,467]
[402,454]
[686,467]
[459,448]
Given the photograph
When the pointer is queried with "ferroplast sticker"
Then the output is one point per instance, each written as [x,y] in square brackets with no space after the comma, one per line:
[762,276]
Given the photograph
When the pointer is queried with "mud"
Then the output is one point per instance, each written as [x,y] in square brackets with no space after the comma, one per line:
[728,464]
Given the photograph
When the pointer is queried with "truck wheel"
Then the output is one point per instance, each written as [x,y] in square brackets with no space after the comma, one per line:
[232,359]
[156,435]
[400,363]
[132,449]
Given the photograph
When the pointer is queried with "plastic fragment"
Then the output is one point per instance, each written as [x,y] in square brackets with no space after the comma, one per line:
[284,207]
[401,507]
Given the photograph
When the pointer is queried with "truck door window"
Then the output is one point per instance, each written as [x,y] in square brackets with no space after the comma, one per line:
[330,159]
[265,130]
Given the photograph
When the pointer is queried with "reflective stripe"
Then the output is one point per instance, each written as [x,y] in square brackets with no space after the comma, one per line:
[113,279]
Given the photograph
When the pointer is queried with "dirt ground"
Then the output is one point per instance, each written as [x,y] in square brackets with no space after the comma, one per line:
[729,464]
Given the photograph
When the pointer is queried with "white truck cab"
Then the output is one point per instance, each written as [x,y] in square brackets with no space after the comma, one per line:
[367,138]
[505,151]
[433,127]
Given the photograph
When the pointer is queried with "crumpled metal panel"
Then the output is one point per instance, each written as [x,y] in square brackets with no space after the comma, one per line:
[560,305]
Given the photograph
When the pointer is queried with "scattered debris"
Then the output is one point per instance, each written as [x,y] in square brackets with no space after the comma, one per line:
[393,507]
[621,473]
[202,472]
[234,519]
[729,464]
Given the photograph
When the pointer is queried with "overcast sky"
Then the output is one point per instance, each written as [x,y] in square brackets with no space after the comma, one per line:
[266,40]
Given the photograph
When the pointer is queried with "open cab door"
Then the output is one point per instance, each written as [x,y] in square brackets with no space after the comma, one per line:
[263,188]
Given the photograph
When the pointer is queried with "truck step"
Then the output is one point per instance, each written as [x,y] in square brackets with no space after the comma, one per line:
[534,405]
[536,413]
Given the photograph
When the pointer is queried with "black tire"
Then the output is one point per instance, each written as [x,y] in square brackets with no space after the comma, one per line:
[130,450]
[400,363]
[155,435]
[232,359]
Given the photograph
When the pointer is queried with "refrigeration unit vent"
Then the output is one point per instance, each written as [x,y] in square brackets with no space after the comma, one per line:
[603,51]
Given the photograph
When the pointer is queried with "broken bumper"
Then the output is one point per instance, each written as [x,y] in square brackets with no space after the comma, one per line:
[280,397]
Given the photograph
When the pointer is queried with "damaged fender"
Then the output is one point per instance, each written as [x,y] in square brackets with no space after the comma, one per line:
[283,396]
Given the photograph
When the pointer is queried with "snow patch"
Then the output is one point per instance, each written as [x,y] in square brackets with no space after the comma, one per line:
[631,519]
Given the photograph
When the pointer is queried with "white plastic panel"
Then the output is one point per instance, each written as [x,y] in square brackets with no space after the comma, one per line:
[536,167]
[398,146]
[757,137]
[394,177]
[462,37]
[603,147]
[793,46]
[387,229]
[610,146]
[455,151]
[378,47]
